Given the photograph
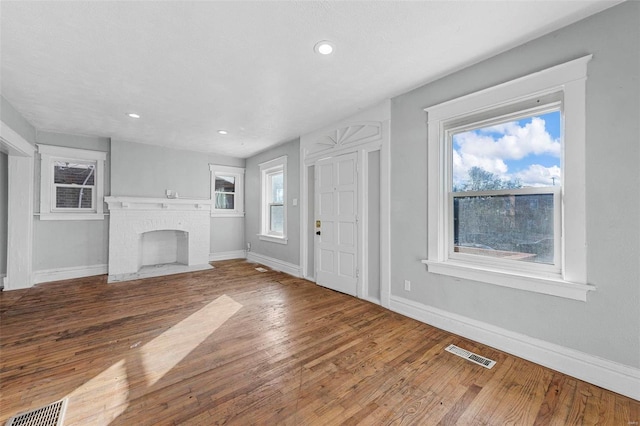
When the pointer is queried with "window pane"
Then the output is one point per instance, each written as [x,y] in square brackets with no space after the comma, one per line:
[224,201]
[518,154]
[276,218]
[73,198]
[277,188]
[73,174]
[225,184]
[518,227]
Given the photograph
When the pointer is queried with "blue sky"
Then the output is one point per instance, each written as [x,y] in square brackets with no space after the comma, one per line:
[528,149]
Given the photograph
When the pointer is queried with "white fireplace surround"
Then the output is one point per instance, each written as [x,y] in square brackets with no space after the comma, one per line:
[131,217]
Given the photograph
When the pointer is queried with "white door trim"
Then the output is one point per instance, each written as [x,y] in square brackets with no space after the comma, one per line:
[20,210]
[364,132]
[14,144]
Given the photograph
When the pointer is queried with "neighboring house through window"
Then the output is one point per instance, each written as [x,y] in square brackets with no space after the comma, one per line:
[506,184]
[227,191]
[71,183]
[273,176]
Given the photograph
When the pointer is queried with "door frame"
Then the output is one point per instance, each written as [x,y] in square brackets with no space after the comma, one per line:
[20,209]
[363,133]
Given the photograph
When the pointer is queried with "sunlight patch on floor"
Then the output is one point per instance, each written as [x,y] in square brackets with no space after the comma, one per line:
[164,352]
[107,393]
[106,396]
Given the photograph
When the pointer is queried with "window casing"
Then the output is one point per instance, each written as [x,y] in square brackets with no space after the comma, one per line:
[227,191]
[451,251]
[273,200]
[71,183]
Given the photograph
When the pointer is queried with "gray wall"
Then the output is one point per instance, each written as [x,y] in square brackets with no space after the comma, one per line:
[608,324]
[69,243]
[289,252]
[227,234]
[147,171]
[4,204]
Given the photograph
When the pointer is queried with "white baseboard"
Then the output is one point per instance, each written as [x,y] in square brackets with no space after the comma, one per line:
[57,274]
[227,255]
[275,264]
[373,300]
[601,372]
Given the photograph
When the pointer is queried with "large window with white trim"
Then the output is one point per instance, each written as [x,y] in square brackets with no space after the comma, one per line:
[506,184]
[273,201]
[71,183]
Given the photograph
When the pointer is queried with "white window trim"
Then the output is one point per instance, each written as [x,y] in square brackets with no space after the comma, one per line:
[571,281]
[51,153]
[267,168]
[238,202]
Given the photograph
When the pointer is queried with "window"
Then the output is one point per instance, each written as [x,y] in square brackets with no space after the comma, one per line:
[504,188]
[274,213]
[71,183]
[506,174]
[227,191]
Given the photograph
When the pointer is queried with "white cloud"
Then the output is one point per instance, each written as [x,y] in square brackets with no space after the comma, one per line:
[463,161]
[491,147]
[537,175]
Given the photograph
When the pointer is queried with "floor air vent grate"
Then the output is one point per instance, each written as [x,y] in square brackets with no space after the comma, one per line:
[480,360]
[49,415]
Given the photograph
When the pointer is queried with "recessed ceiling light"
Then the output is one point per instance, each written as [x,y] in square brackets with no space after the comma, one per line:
[324,47]
[222,132]
[133,115]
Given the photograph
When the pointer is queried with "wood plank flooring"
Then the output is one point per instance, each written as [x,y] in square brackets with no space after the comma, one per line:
[236,346]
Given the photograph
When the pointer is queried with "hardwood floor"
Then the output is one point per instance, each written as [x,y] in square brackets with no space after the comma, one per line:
[236,346]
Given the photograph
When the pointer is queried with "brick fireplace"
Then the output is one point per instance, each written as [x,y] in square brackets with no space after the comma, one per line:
[151,237]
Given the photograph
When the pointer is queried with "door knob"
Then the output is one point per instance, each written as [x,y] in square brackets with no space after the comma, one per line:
[317,232]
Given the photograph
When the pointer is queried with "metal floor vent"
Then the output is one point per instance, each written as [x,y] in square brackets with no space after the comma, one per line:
[260,269]
[480,360]
[49,415]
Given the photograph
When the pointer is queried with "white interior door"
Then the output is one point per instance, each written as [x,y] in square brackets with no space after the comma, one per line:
[336,228]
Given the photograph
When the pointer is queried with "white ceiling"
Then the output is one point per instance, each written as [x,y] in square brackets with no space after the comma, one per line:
[192,68]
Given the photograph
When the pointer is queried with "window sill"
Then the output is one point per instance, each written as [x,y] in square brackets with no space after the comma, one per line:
[71,216]
[230,214]
[271,238]
[553,286]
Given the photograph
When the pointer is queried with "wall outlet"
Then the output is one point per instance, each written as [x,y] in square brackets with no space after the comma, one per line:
[407,285]
[248,246]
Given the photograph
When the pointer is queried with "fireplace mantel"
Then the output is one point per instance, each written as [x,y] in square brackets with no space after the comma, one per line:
[147,203]
[131,217]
